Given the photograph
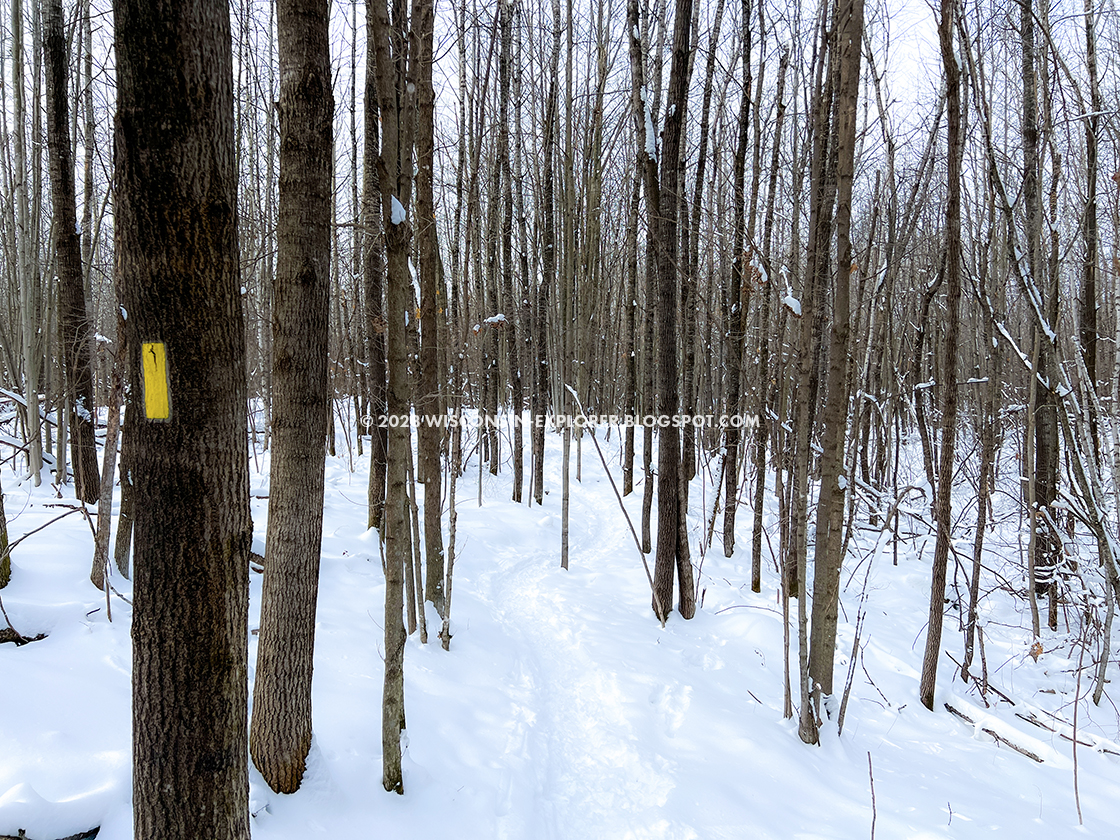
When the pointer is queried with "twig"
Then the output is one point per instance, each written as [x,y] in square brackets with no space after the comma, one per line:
[1076,705]
[637,541]
[874,811]
[15,542]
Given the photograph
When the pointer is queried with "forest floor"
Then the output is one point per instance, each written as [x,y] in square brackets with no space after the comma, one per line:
[564,710]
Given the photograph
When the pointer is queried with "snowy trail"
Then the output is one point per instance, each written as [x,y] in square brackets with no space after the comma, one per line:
[594,775]
[589,719]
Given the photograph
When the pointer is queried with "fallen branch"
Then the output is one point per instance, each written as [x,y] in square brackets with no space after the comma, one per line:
[1057,730]
[999,738]
[82,835]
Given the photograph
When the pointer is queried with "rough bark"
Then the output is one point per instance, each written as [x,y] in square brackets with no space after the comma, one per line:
[178,266]
[1087,315]
[822,195]
[1046,543]
[280,735]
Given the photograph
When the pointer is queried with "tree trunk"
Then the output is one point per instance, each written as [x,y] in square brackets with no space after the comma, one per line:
[388,48]
[374,286]
[280,736]
[76,332]
[764,376]
[5,556]
[662,197]
[733,303]
[428,403]
[178,265]
[1087,314]
[944,490]
[822,196]
[1046,543]
[25,269]
[828,553]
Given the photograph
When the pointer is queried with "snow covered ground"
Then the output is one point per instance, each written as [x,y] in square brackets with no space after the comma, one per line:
[563,709]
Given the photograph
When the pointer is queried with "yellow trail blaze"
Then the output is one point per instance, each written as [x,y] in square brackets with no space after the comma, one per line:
[157,397]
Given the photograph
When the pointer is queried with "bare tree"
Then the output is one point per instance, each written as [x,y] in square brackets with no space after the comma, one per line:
[828,551]
[26,273]
[388,49]
[944,490]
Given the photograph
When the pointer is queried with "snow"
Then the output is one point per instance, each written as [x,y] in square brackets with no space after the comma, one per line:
[651,135]
[495,320]
[793,304]
[124,313]
[563,709]
[398,214]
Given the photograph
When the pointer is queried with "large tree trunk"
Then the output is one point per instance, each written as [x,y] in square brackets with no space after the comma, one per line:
[541,369]
[505,71]
[178,266]
[76,332]
[280,736]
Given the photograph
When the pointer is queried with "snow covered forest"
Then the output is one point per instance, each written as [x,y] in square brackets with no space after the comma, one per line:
[582,418]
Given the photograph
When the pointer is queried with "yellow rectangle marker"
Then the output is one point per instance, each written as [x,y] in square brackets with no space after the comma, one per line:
[157,392]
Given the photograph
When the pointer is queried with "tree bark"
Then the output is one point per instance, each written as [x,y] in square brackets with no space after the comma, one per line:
[24,254]
[662,197]
[428,403]
[280,735]
[733,300]
[944,490]
[178,265]
[828,553]
[76,332]
[389,49]
[373,268]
